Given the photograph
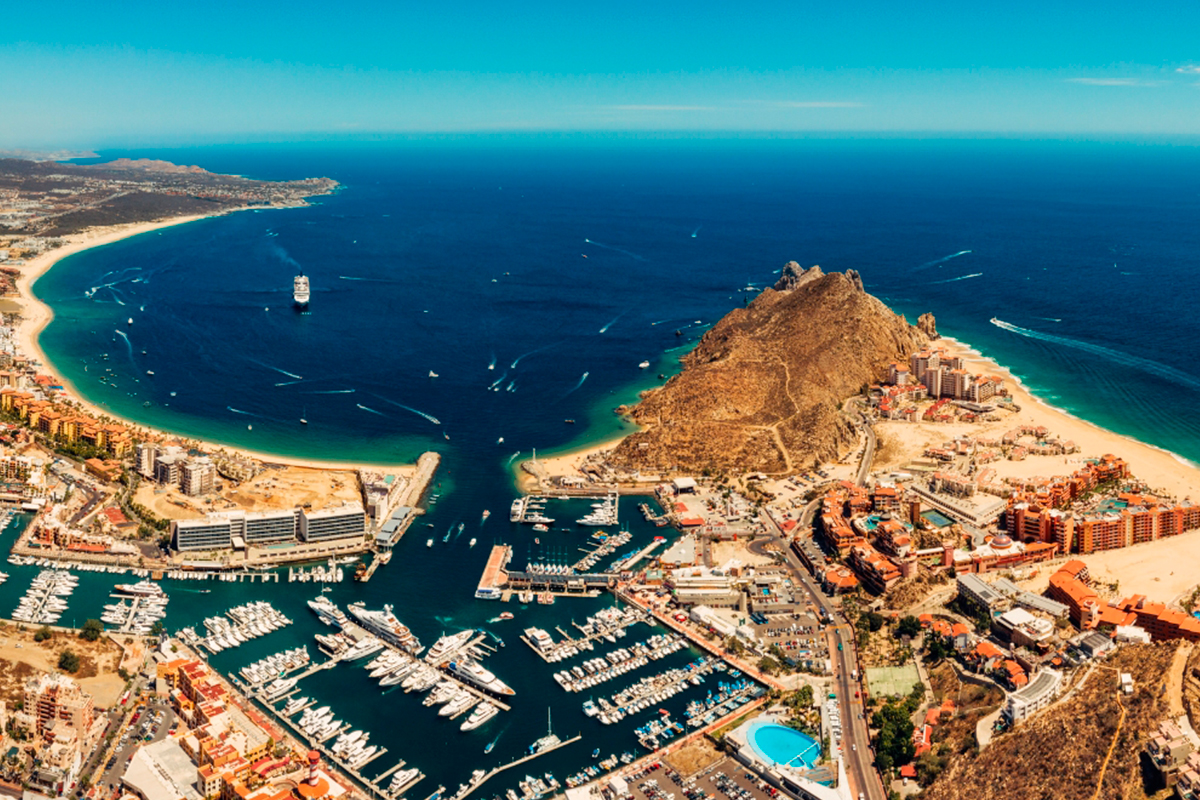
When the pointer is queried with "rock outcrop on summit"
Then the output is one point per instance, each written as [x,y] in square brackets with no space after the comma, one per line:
[762,391]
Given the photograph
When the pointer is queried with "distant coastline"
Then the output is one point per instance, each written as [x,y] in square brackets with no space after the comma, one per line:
[36,315]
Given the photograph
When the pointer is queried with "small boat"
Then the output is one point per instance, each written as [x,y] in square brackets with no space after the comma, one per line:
[432,374]
[429,543]
[506,615]
[643,365]
[303,421]
[569,421]
[596,753]
[500,440]
[486,513]
[472,544]
[131,320]
[149,372]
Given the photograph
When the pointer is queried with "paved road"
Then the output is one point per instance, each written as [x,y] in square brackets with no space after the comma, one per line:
[855,736]
[864,468]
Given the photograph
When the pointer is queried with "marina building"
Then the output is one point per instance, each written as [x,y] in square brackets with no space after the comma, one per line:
[703,586]
[161,771]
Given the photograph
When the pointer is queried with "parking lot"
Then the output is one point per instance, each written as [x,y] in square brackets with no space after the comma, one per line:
[725,780]
[798,635]
[150,724]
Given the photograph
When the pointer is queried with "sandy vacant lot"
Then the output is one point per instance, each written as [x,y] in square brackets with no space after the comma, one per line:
[723,551]
[1162,570]
[22,658]
[277,488]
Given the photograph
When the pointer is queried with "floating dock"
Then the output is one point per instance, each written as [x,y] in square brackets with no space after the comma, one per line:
[512,764]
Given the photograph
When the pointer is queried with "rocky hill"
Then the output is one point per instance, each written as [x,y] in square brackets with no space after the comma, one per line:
[1087,747]
[762,390]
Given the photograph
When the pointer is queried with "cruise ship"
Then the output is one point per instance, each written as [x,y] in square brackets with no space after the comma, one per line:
[476,674]
[448,646]
[139,589]
[300,292]
[327,611]
[385,625]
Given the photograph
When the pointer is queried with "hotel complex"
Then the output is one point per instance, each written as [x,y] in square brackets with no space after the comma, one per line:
[225,530]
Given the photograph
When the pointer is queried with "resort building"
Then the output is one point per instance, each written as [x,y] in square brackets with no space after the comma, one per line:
[979,594]
[223,530]
[1035,696]
[783,757]
[346,522]
[52,699]
[197,476]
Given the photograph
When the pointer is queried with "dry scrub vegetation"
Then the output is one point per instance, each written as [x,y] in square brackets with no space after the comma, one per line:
[1060,754]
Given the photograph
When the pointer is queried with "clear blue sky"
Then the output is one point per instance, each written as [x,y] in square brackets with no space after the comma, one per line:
[138,72]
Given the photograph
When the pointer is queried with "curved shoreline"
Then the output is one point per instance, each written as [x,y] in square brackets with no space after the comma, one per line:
[35,315]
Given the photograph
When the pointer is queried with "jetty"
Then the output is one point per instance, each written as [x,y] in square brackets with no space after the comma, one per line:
[495,576]
[496,771]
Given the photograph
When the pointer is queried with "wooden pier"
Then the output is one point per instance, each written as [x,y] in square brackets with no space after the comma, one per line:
[512,764]
[568,642]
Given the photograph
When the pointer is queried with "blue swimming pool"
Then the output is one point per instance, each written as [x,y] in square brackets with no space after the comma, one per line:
[779,744]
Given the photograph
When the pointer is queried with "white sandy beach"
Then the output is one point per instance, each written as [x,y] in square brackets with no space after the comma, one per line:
[1165,472]
[36,315]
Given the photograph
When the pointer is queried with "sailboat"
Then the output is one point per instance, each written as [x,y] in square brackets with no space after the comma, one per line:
[547,742]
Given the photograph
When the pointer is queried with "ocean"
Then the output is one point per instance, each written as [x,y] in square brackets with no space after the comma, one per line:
[561,263]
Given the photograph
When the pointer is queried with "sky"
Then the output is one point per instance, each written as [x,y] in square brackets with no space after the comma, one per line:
[141,73]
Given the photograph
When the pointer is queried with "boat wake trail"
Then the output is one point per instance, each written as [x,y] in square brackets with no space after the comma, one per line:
[574,388]
[373,411]
[1136,362]
[1051,319]
[960,278]
[527,355]
[616,250]
[289,383]
[128,345]
[369,280]
[513,458]
[493,364]
[239,411]
[429,417]
[277,369]
[698,227]
[941,260]
[613,321]
[329,391]
[496,383]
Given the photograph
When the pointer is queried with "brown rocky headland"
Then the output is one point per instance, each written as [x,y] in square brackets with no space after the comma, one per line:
[763,389]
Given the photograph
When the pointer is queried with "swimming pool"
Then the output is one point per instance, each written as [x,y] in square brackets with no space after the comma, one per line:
[779,744]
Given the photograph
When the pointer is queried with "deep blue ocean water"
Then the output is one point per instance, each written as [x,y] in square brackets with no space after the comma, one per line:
[446,255]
